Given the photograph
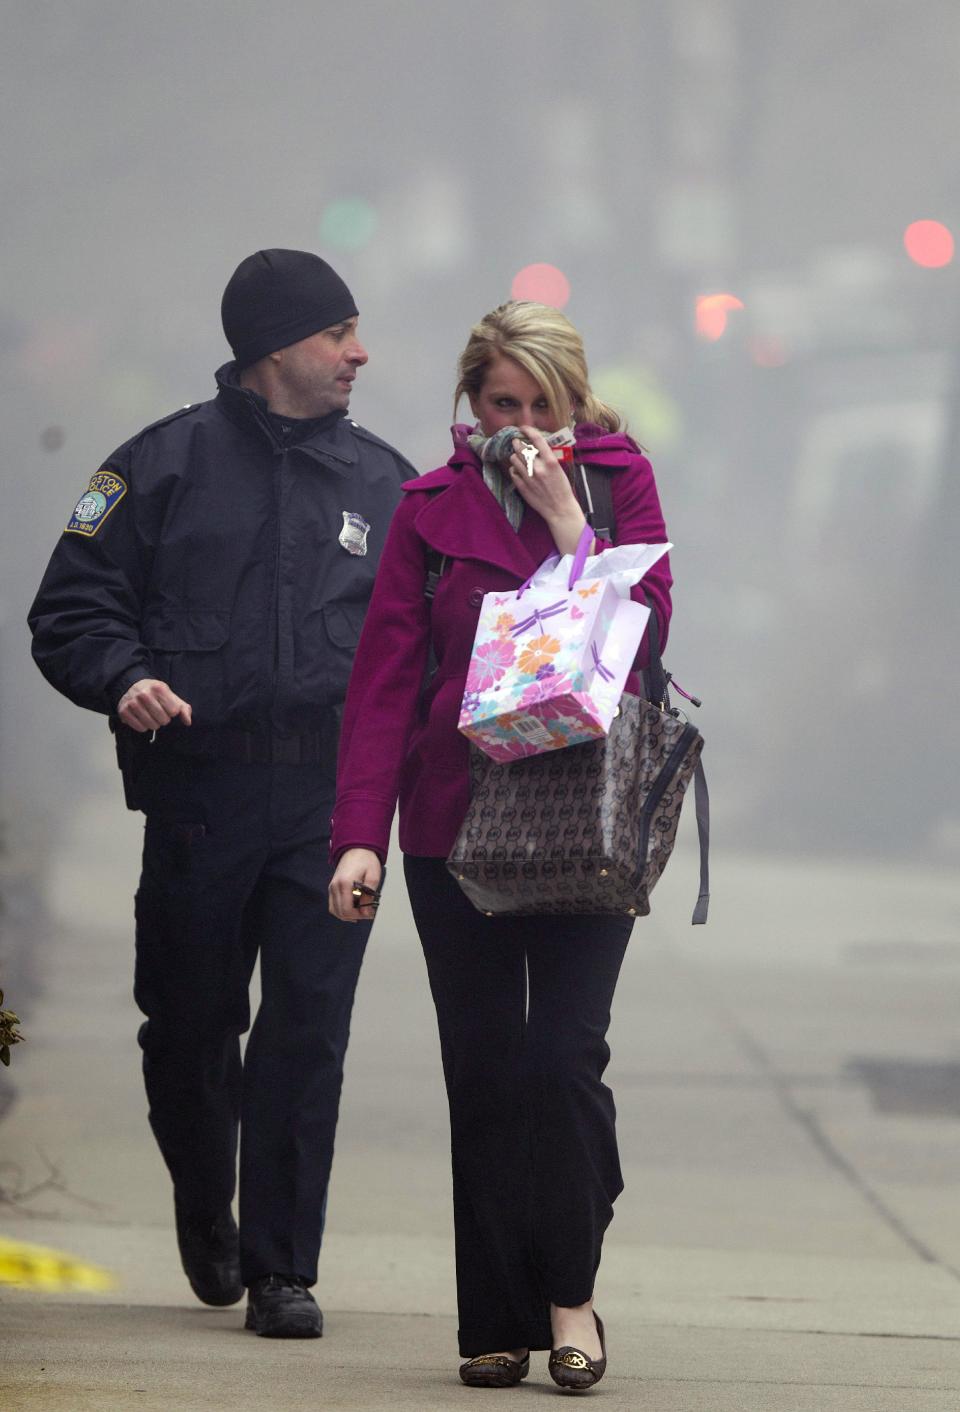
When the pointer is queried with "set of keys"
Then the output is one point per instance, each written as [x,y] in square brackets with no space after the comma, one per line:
[529,453]
[364,896]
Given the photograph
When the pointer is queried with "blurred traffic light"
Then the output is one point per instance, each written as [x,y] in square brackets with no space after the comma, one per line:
[711,313]
[544,284]
[928,243]
[349,223]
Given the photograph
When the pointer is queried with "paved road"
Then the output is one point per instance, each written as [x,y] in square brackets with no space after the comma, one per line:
[789,1118]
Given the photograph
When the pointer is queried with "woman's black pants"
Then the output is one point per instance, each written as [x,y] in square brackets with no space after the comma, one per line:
[523,1005]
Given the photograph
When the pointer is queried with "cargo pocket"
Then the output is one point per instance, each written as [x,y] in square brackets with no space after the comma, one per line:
[185,651]
[323,666]
[146,976]
[344,622]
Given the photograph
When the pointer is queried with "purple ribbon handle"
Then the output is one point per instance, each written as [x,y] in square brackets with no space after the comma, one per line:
[603,672]
[538,615]
[579,559]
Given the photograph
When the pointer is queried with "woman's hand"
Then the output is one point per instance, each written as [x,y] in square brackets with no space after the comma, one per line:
[546,488]
[357,865]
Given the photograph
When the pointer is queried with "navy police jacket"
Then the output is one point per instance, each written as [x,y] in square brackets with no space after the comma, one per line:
[237,568]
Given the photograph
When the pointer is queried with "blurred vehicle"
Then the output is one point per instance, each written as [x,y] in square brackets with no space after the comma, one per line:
[839,522]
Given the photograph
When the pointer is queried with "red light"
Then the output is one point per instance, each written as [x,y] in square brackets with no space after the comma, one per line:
[544,284]
[711,314]
[928,243]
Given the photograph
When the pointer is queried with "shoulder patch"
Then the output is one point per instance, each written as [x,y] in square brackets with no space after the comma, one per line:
[102,495]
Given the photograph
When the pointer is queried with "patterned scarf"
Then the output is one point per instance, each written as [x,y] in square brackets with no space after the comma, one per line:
[495,452]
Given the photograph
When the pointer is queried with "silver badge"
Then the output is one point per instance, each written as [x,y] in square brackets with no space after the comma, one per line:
[353,536]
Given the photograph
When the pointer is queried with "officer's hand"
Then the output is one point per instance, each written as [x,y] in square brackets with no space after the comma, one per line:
[357,866]
[149,705]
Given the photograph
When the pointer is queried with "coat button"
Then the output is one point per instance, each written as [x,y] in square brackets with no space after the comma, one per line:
[476,597]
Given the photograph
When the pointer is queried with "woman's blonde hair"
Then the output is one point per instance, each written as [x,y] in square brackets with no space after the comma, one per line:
[547,346]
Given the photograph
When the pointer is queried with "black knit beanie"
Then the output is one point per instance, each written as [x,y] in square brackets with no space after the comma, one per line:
[276,297]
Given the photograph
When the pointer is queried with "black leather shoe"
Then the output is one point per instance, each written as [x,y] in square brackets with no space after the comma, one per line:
[494,1370]
[281,1306]
[210,1252]
[570,1367]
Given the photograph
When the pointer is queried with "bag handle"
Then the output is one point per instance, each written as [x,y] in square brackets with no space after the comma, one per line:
[580,556]
[702,803]
[656,681]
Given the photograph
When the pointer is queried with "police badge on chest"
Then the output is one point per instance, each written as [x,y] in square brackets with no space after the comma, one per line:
[353,536]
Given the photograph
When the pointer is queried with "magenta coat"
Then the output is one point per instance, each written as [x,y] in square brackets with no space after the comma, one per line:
[393,744]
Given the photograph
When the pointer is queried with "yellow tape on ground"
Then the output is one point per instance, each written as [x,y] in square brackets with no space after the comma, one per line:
[36,1267]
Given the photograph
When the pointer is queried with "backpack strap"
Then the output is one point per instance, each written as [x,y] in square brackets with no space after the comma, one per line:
[655,679]
[593,489]
[436,563]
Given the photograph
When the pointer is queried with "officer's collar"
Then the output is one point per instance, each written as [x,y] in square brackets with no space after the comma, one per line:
[327,435]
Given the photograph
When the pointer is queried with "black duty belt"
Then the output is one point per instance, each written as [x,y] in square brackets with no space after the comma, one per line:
[252,748]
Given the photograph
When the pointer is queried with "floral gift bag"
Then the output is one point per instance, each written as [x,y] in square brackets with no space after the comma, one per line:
[550,661]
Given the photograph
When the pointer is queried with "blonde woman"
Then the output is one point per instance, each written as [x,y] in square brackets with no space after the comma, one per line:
[523,1003]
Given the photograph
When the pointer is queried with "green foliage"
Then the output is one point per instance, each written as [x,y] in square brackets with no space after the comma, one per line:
[9,1034]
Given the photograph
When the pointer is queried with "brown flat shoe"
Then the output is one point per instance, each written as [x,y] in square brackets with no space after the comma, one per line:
[494,1370]
[571,1369]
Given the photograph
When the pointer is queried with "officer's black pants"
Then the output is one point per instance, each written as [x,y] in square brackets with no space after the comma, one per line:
[235,863]
[535,1164]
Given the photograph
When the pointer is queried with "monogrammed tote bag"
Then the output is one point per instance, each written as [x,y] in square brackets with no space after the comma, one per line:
[587,829]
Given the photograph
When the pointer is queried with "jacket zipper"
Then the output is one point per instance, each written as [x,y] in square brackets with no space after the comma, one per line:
[277,627]
[279,450]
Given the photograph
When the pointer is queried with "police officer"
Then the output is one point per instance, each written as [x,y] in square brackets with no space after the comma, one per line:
[208,593]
